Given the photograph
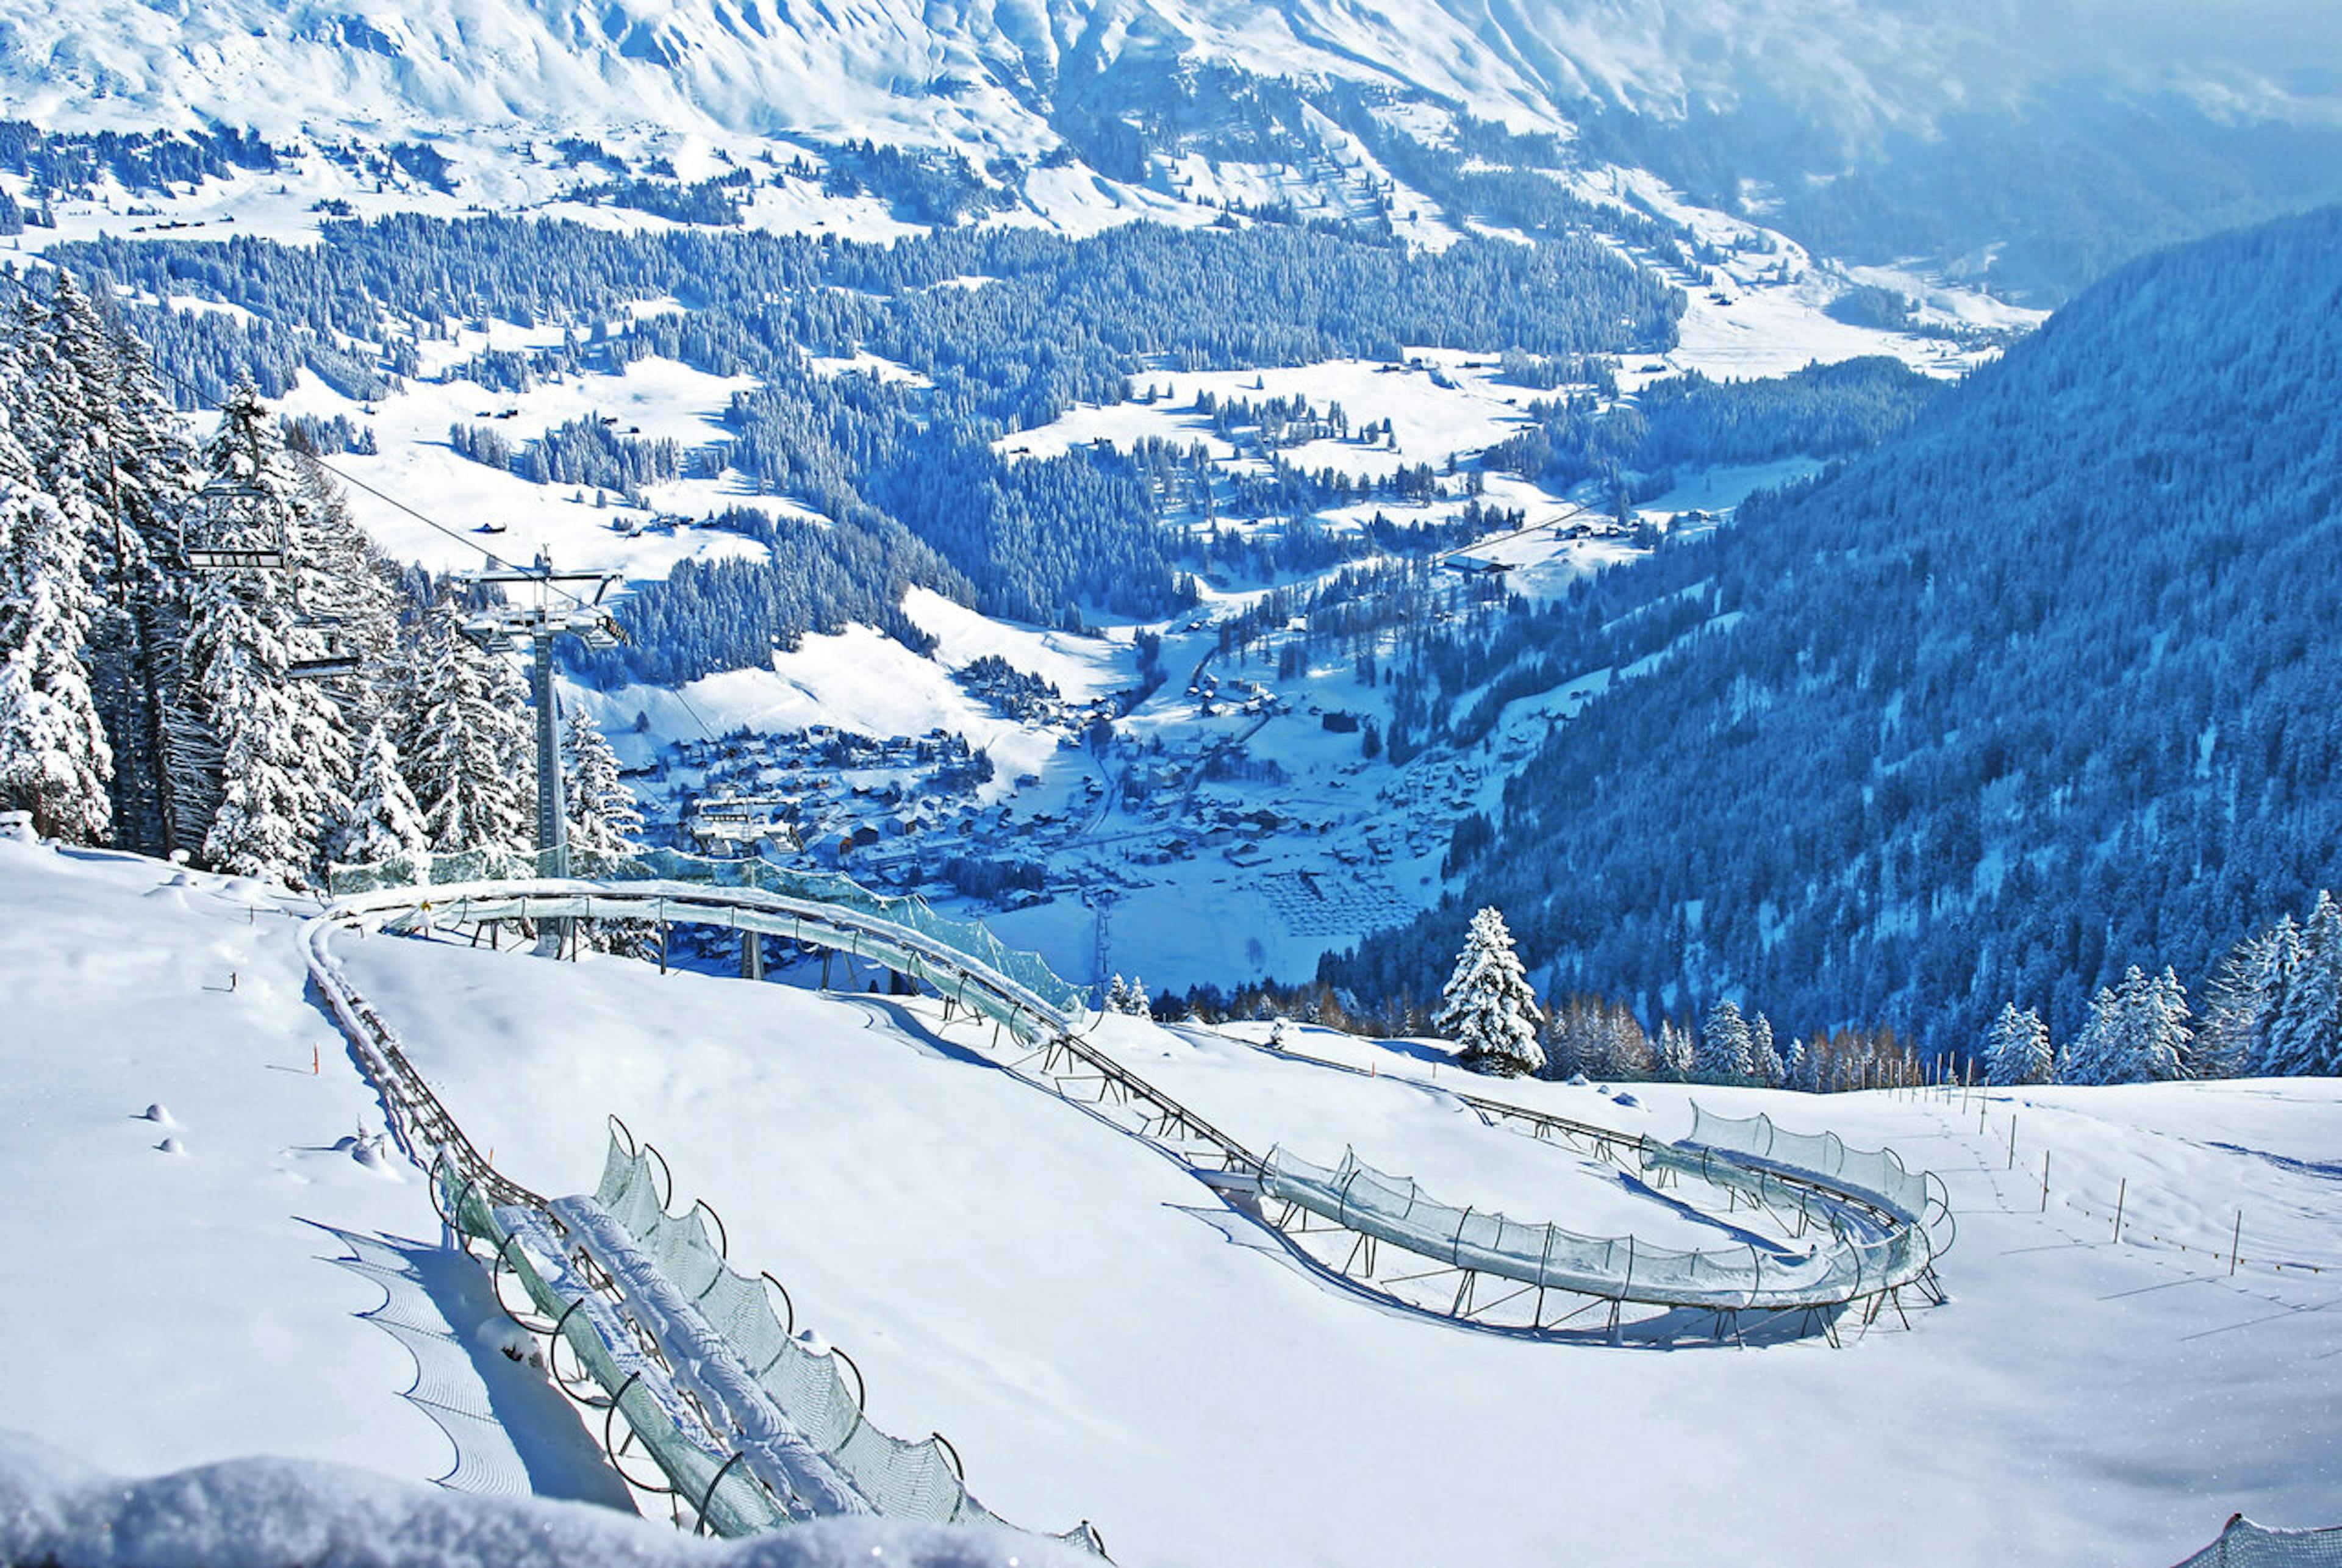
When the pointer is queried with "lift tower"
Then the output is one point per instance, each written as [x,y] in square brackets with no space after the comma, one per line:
[540,604]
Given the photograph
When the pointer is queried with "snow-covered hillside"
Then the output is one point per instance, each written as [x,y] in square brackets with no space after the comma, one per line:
[990,70]
[1099,1335]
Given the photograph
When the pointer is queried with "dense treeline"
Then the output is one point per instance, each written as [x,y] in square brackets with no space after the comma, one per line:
[1002,330]
[2041,689]
[201,654]
[1823,410]
[731,614]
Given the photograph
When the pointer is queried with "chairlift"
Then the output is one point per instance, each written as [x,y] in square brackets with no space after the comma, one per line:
[213,559]
[326,667]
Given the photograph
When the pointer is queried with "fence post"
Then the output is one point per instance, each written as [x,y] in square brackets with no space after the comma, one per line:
[2121,1192]
[2012,1140]
[2235,1236]
[2045,1181]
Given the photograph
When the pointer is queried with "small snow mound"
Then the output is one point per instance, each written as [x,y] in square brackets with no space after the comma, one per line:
[1623,1098]
[347,1144]
[374,1154]
[171,1146]
[1578,1080]
[814,1343]
[160,1115]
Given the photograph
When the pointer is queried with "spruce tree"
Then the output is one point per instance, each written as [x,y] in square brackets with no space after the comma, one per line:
[1487,1007]
[2305,1035]
[1764,1062]
[605,821]
[54,762]
[1724,1046]
[468,749]
[383,822]
[106,442]
[283,745]
[2016,1049]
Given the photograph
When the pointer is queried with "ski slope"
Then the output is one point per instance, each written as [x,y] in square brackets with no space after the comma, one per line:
[1095,1337]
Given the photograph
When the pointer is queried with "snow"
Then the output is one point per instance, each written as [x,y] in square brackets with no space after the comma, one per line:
[284,1514]
[653,399]
[1096,1334]
[859,679]
[1476,410]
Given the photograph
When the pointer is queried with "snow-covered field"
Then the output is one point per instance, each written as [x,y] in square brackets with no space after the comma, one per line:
[1097,1333]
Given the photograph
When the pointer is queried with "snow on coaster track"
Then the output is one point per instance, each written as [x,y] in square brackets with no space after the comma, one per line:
[1856,1230]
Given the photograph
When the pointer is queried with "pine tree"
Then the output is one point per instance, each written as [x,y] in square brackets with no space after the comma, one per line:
[1673,1059]
[468,751]
[283,746]
[106,444]
[604,819]
[2138,1032]
[1724,1046]
[2016,1049]
[2305,1036]
[383,822]
[1765,1062]
[54,758]
[1487,1007]
[2167,1037]
[1797,1069]
[2242,999]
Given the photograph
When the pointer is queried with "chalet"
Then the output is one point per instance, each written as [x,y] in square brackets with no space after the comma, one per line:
[1470,565]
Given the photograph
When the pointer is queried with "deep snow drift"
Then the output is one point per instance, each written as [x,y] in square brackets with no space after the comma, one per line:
[1098,1334]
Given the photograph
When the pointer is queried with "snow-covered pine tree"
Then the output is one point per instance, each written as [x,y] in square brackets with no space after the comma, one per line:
[2097,1051]
[1135,1000]
[2137,1032]
[1796,1070]
[468,751]
[2306,1034]
[1764,1062]
[107,444]
[2244,998]
[1117,995]
[2167,1038]
[2016,1048]
[1722,1056]
[383,822]
[284,750]
[53,759]
[604,818]
[1673,1055]
[1487,1007]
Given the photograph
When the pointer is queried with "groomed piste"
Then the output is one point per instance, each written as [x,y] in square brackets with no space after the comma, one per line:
[742,1424]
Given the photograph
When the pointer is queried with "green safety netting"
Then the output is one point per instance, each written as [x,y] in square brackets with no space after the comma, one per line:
[967,937]
[695,1459]
[1875,1173]
[2245,1545]
[1838,1263]
[899,1479]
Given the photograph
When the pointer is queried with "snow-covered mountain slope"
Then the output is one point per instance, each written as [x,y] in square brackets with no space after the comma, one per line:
[1097,1333]
[2076,131]
[761,65]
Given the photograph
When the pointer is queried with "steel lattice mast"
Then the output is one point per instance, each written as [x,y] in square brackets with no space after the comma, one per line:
[541,605]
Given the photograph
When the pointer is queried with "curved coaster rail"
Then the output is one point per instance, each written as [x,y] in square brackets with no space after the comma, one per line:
[659,1330]
[1884,1227]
